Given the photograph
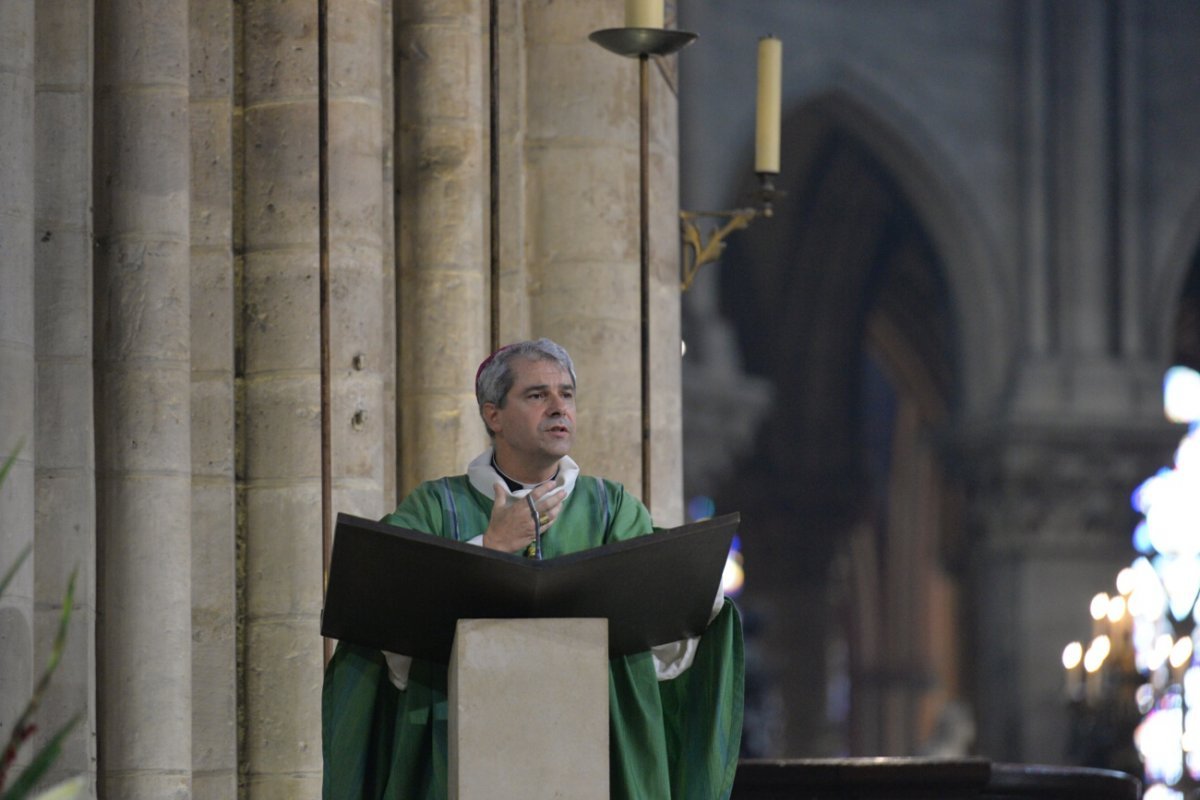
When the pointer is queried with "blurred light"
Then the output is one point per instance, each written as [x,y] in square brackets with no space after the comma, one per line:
[1181,579]
[1170,514]
[1158,740]
[1093,659]
[1160,791]
[1125,581]
[1148,599]
[733,578]
[1072,655]
[1099,606]
[1181,394]
[1116,608]
[1187,455]
[1181,652]
[1144,697]
[1144,495]
[701,507]
[1191,685]
[1188,740]
[1162,649]
[682,348]
[1141,538]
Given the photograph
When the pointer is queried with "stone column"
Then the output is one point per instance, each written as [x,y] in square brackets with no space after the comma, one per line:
[281,387]
[582,175]
[66,457]
[511,188]
[584,283]
[361,349]
[214,524]
[143,398]
[443,234]
[16,351]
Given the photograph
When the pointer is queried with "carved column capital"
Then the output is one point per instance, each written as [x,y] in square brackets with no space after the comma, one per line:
[1059,487]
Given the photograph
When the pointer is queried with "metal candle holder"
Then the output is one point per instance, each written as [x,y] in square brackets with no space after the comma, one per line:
[703,252]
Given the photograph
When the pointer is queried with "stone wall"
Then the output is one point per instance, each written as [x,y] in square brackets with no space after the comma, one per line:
[185,433]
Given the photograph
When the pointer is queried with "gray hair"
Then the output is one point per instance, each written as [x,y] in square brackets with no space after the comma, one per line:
[495,377]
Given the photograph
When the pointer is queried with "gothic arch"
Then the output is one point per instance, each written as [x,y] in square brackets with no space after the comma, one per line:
[852,268]
[1171,277]
[984,304]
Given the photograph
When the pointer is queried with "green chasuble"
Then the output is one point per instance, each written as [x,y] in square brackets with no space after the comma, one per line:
[677,738]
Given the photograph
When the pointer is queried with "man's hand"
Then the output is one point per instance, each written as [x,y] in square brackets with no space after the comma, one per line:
[511,527]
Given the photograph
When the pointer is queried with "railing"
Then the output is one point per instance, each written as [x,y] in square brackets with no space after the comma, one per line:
[926,779]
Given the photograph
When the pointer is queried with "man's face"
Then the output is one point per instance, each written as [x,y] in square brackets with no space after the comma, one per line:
[536,426]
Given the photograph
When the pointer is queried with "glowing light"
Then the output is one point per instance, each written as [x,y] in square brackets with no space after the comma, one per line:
[1160,791]
[1155,596]
[1116,609]
[1187,455]
[1148,597]
[1191,687]
[1144,697]
[1158,655]
[1072,655]
[682,348]
[1126,581]
[733,578]
[1181,579]
[1181,652]
[1141,539]
[1181,394]
[1158,739]
[1099,649]
[701,507]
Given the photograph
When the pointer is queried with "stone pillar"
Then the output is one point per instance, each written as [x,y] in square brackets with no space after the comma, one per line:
[583,177]
[143,399]
[281,387]
[582,173]
[214,524]
[16,351]
[512,184]
[361,347]
[443,234]
[66,457]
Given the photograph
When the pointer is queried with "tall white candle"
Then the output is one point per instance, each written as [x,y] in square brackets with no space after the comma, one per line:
[643,13]
[770,80]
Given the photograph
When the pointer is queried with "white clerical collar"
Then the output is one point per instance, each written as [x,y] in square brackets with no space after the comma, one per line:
[483,476]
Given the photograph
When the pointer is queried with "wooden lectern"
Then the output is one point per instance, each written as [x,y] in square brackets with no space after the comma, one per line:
[527,642]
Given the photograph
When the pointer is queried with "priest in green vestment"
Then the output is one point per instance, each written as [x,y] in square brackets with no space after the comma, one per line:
[675,710]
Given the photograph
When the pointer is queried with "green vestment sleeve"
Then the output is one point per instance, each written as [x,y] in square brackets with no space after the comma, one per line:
[668,739]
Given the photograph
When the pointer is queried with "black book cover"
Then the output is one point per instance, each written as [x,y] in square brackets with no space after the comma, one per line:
[404,591]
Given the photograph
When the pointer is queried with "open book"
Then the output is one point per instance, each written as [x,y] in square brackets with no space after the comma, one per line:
[404,591]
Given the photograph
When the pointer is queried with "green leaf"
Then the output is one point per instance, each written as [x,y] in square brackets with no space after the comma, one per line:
[12,571]
[8,462]
[41,762]
[44,680]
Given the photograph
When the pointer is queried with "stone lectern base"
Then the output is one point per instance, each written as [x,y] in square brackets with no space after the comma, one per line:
[529,709]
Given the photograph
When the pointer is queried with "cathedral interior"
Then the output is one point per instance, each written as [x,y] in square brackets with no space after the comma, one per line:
[254,251]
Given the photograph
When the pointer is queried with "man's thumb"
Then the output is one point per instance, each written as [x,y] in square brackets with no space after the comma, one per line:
[502,494]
